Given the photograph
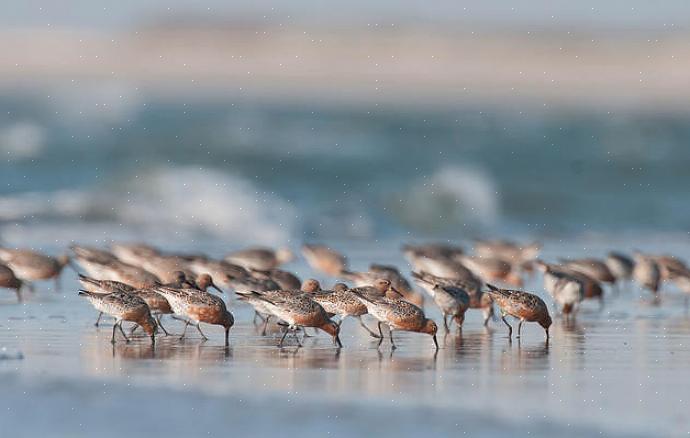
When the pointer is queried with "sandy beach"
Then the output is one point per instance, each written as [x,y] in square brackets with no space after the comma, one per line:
[376,65]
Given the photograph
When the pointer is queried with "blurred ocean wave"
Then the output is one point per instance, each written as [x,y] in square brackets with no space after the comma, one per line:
[271,172]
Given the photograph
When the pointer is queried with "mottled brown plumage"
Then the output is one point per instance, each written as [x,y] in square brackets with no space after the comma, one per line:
[299,311]
[198,306]
[478,298]
[521,305]
[123,307]
[398,314]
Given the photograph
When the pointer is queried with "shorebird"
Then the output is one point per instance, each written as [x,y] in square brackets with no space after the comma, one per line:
[324,259]
[284,279]
[478,298]
[398,315]
[520,256]
[298,311]
[647,273]
[123,307]
[593,268]
[165,267]
[9,281]
[669,265]
[260,258]
[591,288]
[198,306]
[521,305]
[440,260]
[103,287]
[620,265]
[31,266]
[568,293]
[379,288]
[105,266]
[491,269]
[221,271]
[342,302]
[384,272]
[681,278]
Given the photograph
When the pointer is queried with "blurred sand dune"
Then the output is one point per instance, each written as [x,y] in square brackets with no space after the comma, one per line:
[372,64]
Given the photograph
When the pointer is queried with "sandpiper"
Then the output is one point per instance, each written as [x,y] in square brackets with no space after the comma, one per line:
[440,260]
[397,315]
[384,272]
[260,258]
[491,269]
[29,265]
[221,271]
[299,311]
[165,267]
[594,268]
[452,301]
[284,279]
[521,305]
[620,265]
[9,281]
[681,278]
[103,287]
[647,273]
[478,298]
[123,307]
[520,256]
[669,265]
[342,302]
[198,306]
[102,265]
[324,259]
[591,288]
[566,287]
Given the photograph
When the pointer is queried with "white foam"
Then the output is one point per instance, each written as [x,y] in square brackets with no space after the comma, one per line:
[173,201]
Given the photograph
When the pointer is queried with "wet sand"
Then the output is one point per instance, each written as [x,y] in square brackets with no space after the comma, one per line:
[617,371]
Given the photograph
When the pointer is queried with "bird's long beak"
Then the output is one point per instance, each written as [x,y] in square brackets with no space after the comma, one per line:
[213,285]
[435,342]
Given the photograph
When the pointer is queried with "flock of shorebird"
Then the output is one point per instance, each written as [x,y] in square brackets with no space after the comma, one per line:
[139,283]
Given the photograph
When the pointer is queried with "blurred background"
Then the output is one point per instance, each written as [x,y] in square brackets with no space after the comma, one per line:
[277,122]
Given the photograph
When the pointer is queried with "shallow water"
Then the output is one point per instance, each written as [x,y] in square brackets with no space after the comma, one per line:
[618,370]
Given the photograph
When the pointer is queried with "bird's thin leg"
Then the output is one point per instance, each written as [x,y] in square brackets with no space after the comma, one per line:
[184,331]
[198,327]
[112,340]
[258,315]
[227,336]
[510,329]
[19,294]
[158,320]
[98,321]
[122,331]
[280,344]
[445,323]
[390,333]
[374,335]
[520,327]
[133,329]
[380,335]
[297,337]
[487,315]
[263,332]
